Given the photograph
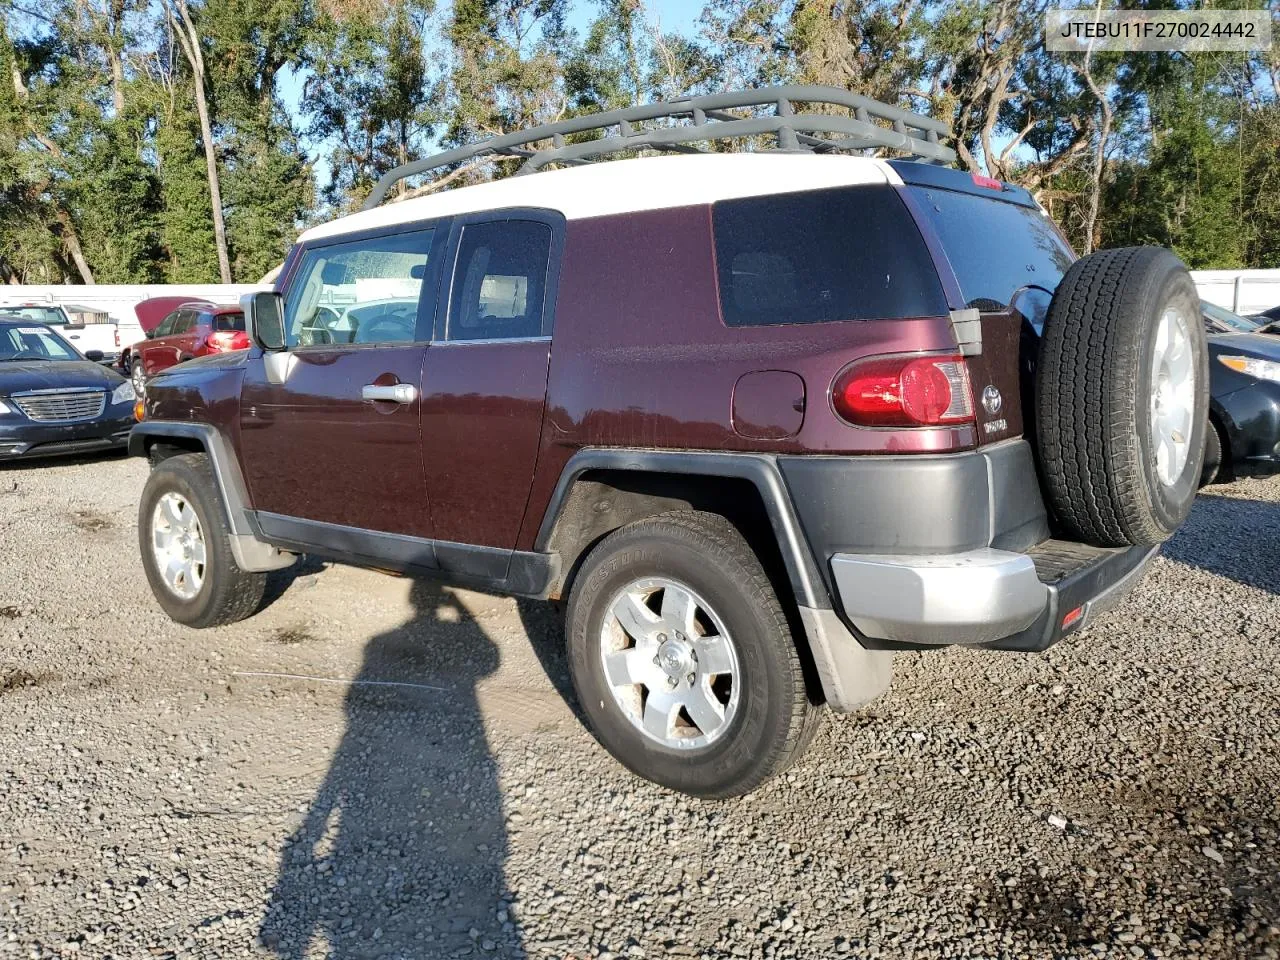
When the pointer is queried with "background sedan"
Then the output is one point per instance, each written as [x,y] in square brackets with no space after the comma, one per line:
[53,400]
[1244,405]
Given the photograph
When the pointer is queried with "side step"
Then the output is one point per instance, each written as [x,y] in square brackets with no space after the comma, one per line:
[1078,576]
[1056,560]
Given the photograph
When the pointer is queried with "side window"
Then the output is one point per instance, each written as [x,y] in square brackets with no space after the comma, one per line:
[365,291]
[849,253]
[166,325]
[183,321]
[499,281]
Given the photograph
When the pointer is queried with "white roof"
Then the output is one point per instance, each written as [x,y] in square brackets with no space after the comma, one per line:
[624,186]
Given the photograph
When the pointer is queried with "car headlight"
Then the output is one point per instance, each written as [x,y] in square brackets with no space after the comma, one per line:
[123,393]
[1253,367]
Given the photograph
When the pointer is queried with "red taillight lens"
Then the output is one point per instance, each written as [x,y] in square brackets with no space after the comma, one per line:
[991,183]
[117,333]
[222,341]
[904,391]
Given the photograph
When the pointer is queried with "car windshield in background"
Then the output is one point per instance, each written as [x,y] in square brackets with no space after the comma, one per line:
[852,253]
[35,314]
[30,342]
[228,322]
[1220,320]
[995,247]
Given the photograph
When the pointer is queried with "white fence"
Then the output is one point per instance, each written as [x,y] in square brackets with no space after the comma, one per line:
[118,300]
[1241,291]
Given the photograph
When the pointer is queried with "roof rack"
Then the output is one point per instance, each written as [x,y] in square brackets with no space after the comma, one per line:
[909,133]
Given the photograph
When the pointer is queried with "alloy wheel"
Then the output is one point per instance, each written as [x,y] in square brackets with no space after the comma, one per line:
[178,545]
[671,666]
[1173,396]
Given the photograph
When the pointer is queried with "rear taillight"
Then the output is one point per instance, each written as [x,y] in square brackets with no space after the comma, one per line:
[222,341]
[117,333]
[904,391]
[991,183]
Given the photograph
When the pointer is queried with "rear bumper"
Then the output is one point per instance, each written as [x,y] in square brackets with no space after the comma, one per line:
[984,597]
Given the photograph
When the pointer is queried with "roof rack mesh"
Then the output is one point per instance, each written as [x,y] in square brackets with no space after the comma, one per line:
[707,118]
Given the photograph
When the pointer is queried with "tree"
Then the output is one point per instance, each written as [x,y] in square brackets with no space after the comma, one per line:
[372,92]
[268,179]
[188,35]
[505,67]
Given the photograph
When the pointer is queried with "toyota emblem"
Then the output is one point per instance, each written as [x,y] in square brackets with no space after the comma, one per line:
[991,400]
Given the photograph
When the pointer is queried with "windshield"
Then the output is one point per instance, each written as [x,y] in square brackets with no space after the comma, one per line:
[1219,320]
[995,247]
[35,314]
[32,342]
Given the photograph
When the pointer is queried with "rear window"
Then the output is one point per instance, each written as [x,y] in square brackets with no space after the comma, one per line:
[229,321]
[995,248]
[851,253]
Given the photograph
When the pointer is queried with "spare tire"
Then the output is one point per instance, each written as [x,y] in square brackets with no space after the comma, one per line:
[1122,397]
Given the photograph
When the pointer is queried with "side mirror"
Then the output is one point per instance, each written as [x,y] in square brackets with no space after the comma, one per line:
[94,355]
[264,319]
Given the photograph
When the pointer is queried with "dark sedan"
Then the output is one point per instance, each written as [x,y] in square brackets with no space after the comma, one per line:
[54,400]
[1244,406]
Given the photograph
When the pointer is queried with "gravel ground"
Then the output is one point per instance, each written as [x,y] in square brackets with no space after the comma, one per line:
[169,792]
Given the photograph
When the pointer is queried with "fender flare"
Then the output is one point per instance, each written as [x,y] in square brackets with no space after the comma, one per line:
[850,674]
[251,553]
[760,469]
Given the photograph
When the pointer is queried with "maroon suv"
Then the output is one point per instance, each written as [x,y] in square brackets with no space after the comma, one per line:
[762,419]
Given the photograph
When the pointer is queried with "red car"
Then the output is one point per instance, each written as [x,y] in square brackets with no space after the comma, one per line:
[195,329]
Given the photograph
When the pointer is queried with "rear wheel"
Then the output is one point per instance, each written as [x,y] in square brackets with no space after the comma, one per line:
[683,659]
[1122,397]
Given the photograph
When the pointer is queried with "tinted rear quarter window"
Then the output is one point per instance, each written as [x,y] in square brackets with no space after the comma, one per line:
[229,321]
[995,247]
[849,253]
[499,281]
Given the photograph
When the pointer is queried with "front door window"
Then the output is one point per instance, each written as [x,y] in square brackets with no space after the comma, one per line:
[362,292]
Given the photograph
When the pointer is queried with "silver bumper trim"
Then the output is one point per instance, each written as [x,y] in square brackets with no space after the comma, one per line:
[978,596]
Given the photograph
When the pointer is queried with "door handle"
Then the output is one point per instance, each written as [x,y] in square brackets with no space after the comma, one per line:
[395,393]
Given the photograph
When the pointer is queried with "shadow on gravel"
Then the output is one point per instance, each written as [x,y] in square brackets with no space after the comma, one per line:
[1232,537]
[544,626]
[278,581]
[65,460]
[401,852]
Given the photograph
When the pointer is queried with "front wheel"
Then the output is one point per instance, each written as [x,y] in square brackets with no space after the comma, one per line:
[186,550]
[683,659]
[138,376]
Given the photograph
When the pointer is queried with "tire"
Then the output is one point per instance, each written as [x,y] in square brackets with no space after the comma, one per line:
[210,594]
[766,718]
[1104,382]
[138,376]
[1214,469]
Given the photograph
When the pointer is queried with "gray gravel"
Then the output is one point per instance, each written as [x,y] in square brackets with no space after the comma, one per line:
[159,796]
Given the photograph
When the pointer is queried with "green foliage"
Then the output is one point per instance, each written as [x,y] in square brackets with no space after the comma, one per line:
[186,220]
[372,94]
[103,169]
